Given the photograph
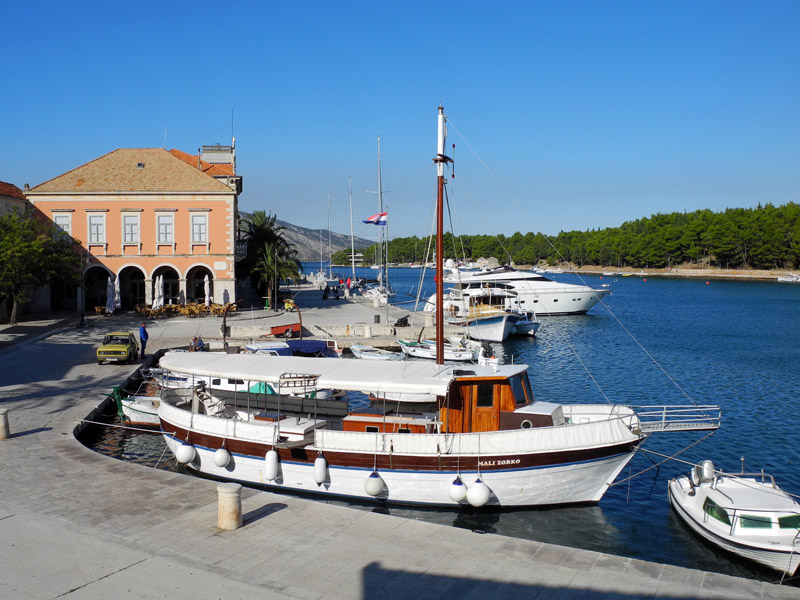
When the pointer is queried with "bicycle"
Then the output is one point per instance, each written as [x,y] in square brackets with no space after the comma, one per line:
[84,321]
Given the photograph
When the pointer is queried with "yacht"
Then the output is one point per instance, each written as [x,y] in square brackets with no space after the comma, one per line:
[535,292]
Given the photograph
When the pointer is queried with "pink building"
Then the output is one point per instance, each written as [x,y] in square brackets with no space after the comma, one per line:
[141,213]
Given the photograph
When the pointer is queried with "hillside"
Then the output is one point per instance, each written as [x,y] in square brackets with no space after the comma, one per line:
[309,242]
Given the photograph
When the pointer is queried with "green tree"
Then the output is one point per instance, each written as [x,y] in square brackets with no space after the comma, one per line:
[32,252]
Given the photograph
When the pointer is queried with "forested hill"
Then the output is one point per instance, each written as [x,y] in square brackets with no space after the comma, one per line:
[764,237]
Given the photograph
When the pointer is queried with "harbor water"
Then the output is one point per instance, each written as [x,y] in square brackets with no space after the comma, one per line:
[655,341]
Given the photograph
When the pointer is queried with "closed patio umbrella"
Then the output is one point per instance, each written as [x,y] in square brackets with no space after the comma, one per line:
[109,295]
[207,289]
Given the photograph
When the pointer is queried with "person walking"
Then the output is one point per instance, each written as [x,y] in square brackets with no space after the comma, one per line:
[143,337]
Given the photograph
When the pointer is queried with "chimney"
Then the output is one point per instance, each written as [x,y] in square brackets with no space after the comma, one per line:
[199,166]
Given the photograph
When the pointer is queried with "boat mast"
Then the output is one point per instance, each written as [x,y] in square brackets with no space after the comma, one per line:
[330,274]
[440,161]
[352,245]
[383,244]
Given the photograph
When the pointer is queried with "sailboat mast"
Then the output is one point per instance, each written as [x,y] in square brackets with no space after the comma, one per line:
[383,248]
[440,161]
[330,274]
[352,244]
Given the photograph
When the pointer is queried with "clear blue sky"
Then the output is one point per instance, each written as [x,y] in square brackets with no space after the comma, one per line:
[588,113]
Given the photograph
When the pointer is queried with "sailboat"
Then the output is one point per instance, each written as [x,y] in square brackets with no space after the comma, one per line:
[433,435]
[382,291]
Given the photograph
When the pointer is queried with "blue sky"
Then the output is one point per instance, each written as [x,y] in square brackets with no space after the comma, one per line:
[587,114]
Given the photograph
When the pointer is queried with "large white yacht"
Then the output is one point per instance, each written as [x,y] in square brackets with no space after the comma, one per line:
[536,293]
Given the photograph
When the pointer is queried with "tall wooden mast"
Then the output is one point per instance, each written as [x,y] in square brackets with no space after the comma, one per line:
[440,161]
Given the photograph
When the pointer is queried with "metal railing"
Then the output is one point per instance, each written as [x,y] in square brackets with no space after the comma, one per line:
[692,417]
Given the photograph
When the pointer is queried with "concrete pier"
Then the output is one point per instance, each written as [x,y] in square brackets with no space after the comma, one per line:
[77,524]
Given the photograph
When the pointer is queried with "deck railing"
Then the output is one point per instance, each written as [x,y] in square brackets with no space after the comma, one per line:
[678,418]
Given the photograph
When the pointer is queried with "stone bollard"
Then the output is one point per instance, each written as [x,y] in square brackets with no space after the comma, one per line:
[376,303]
[367,331]
[229,506]
[4,431]
[429,320]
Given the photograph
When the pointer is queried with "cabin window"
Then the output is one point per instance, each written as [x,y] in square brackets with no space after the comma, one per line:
[403,430]
[712,509]
[371,429]
[216,381]
[790,522]
[235,381]
[521,389]
[755,522]
[485,396]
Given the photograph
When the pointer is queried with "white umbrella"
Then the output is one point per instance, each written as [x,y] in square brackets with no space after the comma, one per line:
[109,295]
[207,290]
[117,294]
[157,292]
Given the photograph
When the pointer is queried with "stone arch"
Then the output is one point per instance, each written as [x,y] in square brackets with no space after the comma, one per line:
[195,282]
[173,292]
[132,286]
[95,284]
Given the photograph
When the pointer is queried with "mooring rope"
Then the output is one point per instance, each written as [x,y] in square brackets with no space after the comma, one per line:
[658,464]
[127,427]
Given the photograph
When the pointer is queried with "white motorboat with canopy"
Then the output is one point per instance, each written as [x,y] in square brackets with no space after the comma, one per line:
[746,514]
[415,432]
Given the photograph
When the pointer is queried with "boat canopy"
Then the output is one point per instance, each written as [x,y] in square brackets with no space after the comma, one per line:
[369,377]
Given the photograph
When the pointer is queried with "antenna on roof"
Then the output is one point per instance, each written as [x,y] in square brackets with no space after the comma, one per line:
[231,123]
[165,137]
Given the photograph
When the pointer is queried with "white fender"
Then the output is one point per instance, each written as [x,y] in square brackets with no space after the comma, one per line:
[320,470]
[457,491]
[271,465]
[222,457]
[478,493]
[185,453]
[373,484]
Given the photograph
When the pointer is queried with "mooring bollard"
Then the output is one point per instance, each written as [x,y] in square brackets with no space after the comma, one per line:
[428,320]
[367,331]
[376,303]
[4,431]
[229,506]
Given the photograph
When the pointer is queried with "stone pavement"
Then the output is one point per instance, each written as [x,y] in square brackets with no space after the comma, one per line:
[79,525]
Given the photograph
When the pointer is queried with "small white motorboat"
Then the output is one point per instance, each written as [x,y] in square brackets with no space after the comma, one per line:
[746,514]
[372,353]
[427,349]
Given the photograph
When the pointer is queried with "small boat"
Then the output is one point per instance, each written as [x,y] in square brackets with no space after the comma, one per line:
[313,348]
[746,514]
[372,353]
[140,411]
[526,325]
[790,278]
[427,349]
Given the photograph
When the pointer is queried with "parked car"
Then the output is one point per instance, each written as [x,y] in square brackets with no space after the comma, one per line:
[118,346]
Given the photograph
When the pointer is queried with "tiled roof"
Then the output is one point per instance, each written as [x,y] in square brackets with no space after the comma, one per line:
[119,171]
[10,190]
[215,170]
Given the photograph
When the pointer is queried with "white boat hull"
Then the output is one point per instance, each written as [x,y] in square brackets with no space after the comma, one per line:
[583,482]
[140,411]
[780,557]
[494,328]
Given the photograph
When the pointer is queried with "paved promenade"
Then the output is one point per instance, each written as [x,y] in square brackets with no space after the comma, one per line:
[79,525]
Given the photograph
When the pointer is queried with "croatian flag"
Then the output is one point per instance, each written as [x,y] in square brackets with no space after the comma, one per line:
[379,219]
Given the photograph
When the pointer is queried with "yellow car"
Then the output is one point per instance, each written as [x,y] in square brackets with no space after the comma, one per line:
[118,346]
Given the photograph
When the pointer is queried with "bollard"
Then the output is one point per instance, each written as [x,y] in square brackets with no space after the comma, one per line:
[428,320]
[4,431]
[229,506]
[367,331]
[377,319]
[376,303]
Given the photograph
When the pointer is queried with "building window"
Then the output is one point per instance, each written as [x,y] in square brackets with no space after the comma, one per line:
[199,229]
[165,235]
[130,229]
[63,223]
[97,229]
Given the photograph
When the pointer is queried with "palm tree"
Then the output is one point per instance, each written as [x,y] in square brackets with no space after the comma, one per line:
[276,260]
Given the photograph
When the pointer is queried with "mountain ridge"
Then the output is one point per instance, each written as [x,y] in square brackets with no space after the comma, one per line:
[311,243]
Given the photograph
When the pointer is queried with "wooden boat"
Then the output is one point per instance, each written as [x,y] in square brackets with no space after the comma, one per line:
[431,434]
[372,353]
[428,349]
[746,514]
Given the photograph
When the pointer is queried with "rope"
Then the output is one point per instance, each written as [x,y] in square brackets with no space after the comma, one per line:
[118,426]
[655,465]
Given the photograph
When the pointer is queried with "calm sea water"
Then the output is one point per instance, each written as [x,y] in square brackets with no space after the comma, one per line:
[736,344]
